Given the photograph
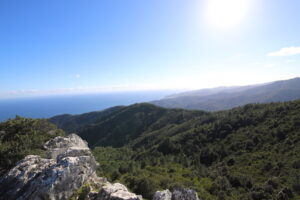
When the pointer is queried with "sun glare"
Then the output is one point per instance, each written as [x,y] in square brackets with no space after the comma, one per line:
[225,14]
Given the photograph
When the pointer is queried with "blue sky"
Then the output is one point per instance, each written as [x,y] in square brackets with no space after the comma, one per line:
[74,46]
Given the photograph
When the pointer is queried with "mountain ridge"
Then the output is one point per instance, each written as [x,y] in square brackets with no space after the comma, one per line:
[223,98]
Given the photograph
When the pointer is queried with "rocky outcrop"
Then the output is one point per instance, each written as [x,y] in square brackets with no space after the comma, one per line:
[68,165]
[116,191]
[61,146]
[162,195]
[67,171]
[177,194]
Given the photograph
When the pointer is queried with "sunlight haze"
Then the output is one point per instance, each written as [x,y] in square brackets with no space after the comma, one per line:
[226,14]
[65,47]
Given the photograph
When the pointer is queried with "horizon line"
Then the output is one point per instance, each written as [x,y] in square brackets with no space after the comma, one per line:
[33,93]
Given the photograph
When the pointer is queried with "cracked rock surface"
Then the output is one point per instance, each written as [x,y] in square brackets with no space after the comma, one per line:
[68,165]
[179,194]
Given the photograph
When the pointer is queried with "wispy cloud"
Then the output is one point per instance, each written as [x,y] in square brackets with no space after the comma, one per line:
[287,51]
[77,76]
[265,65]
[290,61]
[254,63]
[269,65]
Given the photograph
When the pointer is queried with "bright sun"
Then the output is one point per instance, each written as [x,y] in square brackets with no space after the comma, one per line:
[226,14]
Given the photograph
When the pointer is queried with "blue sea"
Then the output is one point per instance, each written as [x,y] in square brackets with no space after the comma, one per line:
[45,107]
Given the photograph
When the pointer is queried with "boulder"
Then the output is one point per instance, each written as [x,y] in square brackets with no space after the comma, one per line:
[60,145]
[162,195]
[177,194]
[15,183]
[116,191]
[67,166]
[184,194]
[68,171]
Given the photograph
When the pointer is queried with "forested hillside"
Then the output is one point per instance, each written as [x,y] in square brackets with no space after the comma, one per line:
[124,124]
[250,152]
[20,137]
[72,123]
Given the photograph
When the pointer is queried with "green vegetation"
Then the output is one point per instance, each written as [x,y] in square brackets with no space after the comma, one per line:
[72,123]
[84,190]
[124,124]
[22,136]
[251,152]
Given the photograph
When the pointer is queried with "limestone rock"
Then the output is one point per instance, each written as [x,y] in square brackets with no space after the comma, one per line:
[184,194]
[116,191]
[162,195]
[60,145]
[13,184]
[178,194]
[68,165]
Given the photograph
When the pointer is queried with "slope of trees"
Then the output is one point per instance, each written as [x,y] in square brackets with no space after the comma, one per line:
[124,124]
[23,136]
[251,152]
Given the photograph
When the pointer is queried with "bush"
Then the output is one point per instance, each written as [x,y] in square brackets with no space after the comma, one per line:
[23,136]
[145,187]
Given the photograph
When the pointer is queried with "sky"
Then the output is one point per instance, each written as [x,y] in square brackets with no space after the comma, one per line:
[77,46]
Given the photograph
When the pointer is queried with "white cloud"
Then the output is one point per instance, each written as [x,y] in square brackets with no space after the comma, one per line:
[238,55]
[290,61]
[77,75]
[254,63]
[269,65]
[287,51]
[265,65]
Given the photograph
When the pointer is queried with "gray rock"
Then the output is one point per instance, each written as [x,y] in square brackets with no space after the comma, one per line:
[116,191]
[60,145]
[179,194]
[69,164]
[184,194]
[162,195]
[15,182]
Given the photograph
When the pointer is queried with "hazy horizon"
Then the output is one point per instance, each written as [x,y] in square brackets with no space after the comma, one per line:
[49,106]
[77,92]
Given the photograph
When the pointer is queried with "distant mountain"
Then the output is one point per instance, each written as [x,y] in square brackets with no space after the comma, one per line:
[223,98]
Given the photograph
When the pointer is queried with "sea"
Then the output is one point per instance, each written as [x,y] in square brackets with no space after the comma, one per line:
[46,107]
